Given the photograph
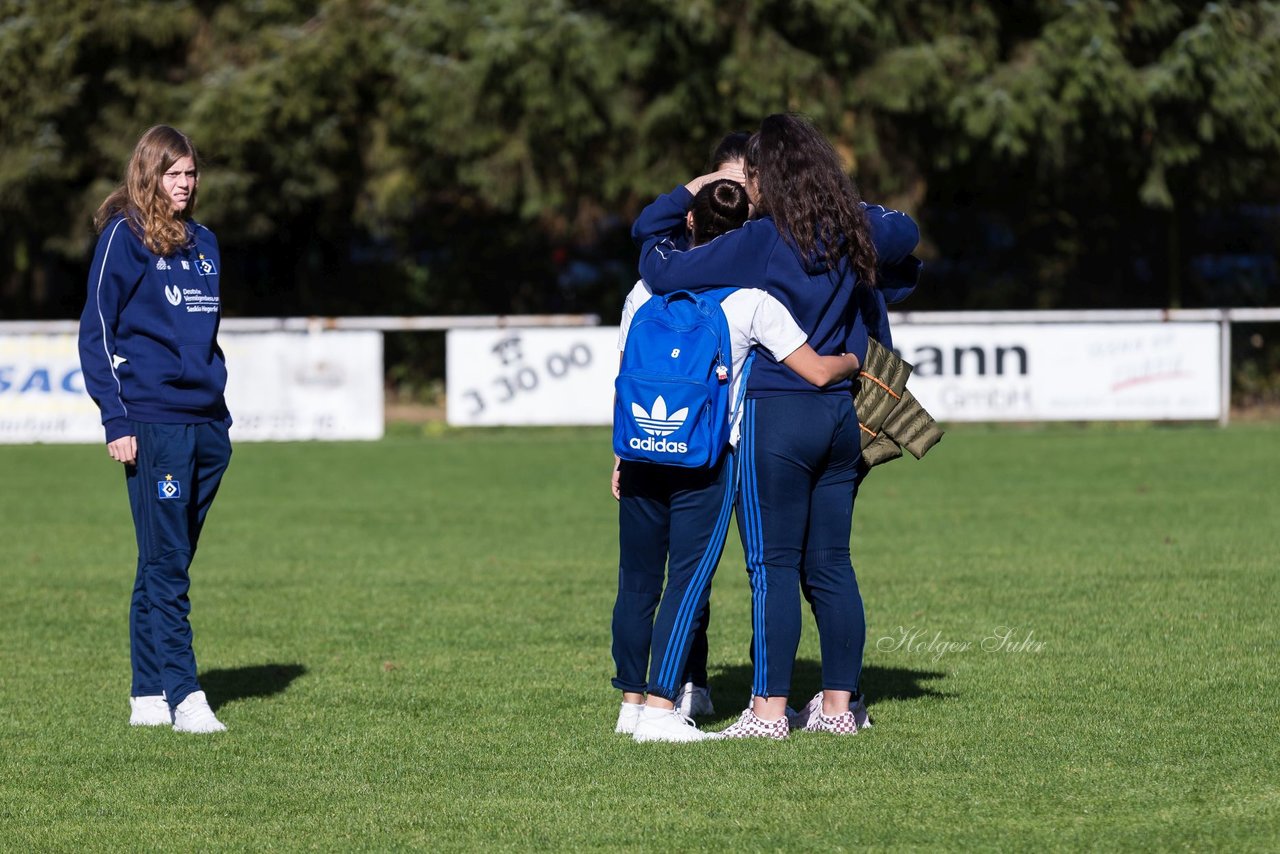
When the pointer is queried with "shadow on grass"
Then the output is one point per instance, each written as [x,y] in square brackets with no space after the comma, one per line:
[878,683]
[226,685]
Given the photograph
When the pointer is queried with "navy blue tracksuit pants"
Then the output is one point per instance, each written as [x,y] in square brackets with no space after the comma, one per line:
[171,488]
[672,524]
[799,459]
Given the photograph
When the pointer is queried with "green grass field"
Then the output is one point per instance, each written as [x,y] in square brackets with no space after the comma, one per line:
[409,641]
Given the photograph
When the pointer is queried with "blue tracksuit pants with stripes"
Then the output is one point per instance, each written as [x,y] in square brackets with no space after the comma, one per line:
[672,524]
[171,489]
[799,477]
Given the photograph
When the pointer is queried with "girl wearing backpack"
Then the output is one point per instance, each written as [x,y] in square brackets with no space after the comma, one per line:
[694,698]
[673,520]
[813,244]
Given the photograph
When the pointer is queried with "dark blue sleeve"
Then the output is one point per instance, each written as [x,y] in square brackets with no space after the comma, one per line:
[875,315]
[738,259]
[894,234]
[896,282]
[664,217]
[115,271]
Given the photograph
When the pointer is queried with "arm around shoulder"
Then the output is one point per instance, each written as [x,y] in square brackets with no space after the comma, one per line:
[737,259]
[821,370]
[662,217]
[776,330]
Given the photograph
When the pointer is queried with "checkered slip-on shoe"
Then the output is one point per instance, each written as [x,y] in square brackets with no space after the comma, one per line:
[813,710]
[842,724]
[800,719]
[750,726]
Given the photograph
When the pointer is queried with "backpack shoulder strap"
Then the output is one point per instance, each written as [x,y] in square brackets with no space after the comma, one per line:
[742,384]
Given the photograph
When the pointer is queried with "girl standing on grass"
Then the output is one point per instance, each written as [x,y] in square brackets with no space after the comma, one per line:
[813,244]
[672,520]
[151,362]
[694,698]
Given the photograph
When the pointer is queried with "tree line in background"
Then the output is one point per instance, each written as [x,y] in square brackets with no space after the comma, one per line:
[431,157]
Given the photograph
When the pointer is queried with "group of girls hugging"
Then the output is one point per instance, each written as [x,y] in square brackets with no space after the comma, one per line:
[778,218]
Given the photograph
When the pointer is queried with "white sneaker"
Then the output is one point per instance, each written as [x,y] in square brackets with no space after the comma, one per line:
[667,725]
[194,715]
[628,717]
[151,710]
[694,701]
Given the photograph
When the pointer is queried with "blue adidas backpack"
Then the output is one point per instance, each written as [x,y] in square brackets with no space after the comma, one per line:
[672,403]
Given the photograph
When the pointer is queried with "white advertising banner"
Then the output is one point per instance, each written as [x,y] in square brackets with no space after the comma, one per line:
[42,396]
[285,386]
[531,376]
[281,386]
[988,372]
[1065,371]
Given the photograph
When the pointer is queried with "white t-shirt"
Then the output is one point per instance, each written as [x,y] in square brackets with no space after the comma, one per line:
[754,317]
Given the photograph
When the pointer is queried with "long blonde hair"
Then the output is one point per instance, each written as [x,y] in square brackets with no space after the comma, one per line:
[142,198]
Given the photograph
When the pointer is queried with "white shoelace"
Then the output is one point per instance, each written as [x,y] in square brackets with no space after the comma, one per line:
[683,718]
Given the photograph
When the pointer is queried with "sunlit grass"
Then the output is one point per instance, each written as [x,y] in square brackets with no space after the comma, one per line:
[1072,639]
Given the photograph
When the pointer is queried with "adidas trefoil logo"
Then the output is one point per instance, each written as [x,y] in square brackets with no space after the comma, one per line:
[162,264]
[658,422]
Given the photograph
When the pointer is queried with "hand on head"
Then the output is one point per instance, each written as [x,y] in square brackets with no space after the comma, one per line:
[732,172]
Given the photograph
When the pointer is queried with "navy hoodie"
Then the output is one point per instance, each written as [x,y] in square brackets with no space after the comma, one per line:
[823,301]
[149,332]
[894,283]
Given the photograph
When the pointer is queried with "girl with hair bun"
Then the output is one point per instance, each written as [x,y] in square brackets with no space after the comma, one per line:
[694,698]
